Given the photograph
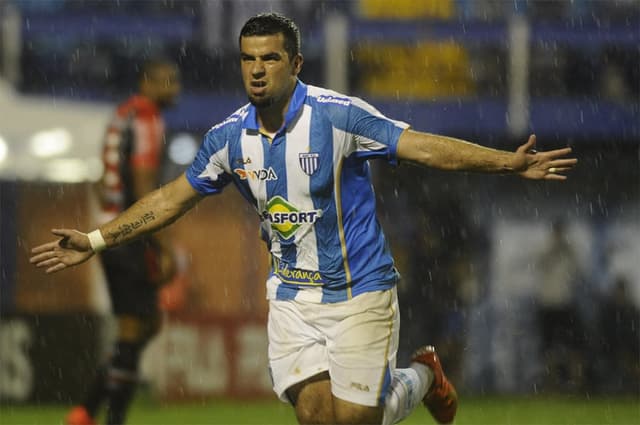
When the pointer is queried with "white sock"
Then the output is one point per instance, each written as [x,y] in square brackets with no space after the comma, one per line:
[408,388]
[425,373]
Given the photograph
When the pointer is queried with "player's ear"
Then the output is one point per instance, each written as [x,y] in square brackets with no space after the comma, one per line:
[297,62]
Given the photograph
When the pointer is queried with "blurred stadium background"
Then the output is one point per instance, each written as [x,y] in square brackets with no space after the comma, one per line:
[471,248]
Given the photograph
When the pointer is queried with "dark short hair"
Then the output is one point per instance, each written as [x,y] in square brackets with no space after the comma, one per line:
[274,23]
[149,67]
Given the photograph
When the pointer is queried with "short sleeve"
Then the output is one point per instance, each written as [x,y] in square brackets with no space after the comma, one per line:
[375,135]
[209,171]
[369,133]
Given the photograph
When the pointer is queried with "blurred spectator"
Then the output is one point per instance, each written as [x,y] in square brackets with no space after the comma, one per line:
[619,74]
[619,353]
[561,330]
[610,73]
[580,72]
[547,71]
[612,83]
[439,283]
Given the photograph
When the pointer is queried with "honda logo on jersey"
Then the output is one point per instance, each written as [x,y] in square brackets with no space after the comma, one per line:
[309,162]
[259,174]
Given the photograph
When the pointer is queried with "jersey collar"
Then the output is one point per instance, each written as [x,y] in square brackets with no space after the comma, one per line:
[295,105]
[144,103]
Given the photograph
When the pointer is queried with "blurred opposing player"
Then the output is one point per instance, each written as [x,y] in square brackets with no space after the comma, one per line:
[300,156]
[133,146]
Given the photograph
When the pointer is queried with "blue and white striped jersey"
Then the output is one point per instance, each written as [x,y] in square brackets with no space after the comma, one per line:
[311,186]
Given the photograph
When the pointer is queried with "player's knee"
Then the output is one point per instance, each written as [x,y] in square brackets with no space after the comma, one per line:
[137,330]
[312,400]
[151,328]
[350,413]
[313,412]
[126,357]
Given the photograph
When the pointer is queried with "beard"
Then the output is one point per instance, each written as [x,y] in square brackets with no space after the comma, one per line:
[166,102]
[267,100]
[261,102]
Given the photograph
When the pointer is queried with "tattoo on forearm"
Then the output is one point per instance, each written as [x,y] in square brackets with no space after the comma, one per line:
[125,229]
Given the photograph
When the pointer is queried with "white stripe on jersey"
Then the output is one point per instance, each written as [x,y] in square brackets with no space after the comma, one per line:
[372,110]
[212,170]
[342,146]
[309,294]
[251,146]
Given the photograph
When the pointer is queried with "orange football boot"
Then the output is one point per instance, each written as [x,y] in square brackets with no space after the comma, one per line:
[78,415]
[442,399]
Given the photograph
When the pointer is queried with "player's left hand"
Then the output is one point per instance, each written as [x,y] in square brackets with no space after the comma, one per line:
[72,249]
[548,165]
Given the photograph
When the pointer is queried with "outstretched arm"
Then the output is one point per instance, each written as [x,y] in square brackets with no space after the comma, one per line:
[447,153]
[151,213]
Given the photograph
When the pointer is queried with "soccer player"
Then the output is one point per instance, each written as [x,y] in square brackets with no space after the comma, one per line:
[300,155]
[132,153]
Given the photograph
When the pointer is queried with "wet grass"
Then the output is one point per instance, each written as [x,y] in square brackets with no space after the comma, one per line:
[473,410]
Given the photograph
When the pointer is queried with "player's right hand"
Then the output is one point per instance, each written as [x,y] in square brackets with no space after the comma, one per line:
[71,249]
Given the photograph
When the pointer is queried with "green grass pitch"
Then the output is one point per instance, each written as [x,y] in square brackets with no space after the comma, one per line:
[537,410]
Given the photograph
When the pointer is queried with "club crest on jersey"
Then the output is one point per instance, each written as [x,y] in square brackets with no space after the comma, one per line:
[309,162]
[286,219]
[259,174]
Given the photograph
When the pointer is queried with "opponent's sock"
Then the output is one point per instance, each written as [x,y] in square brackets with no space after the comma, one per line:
[408,388]
[121,393]
[122,380]
[96,393]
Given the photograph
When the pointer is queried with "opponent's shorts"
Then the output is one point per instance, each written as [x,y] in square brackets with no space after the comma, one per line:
[356,341]
[129,273]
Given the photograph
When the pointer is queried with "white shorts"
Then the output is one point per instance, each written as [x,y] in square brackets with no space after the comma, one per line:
[355,340]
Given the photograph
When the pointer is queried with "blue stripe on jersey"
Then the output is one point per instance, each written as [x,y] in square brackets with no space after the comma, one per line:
[330,259]
[332,294]
[286,292]
[363,123]
[368,255]
[356,120]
